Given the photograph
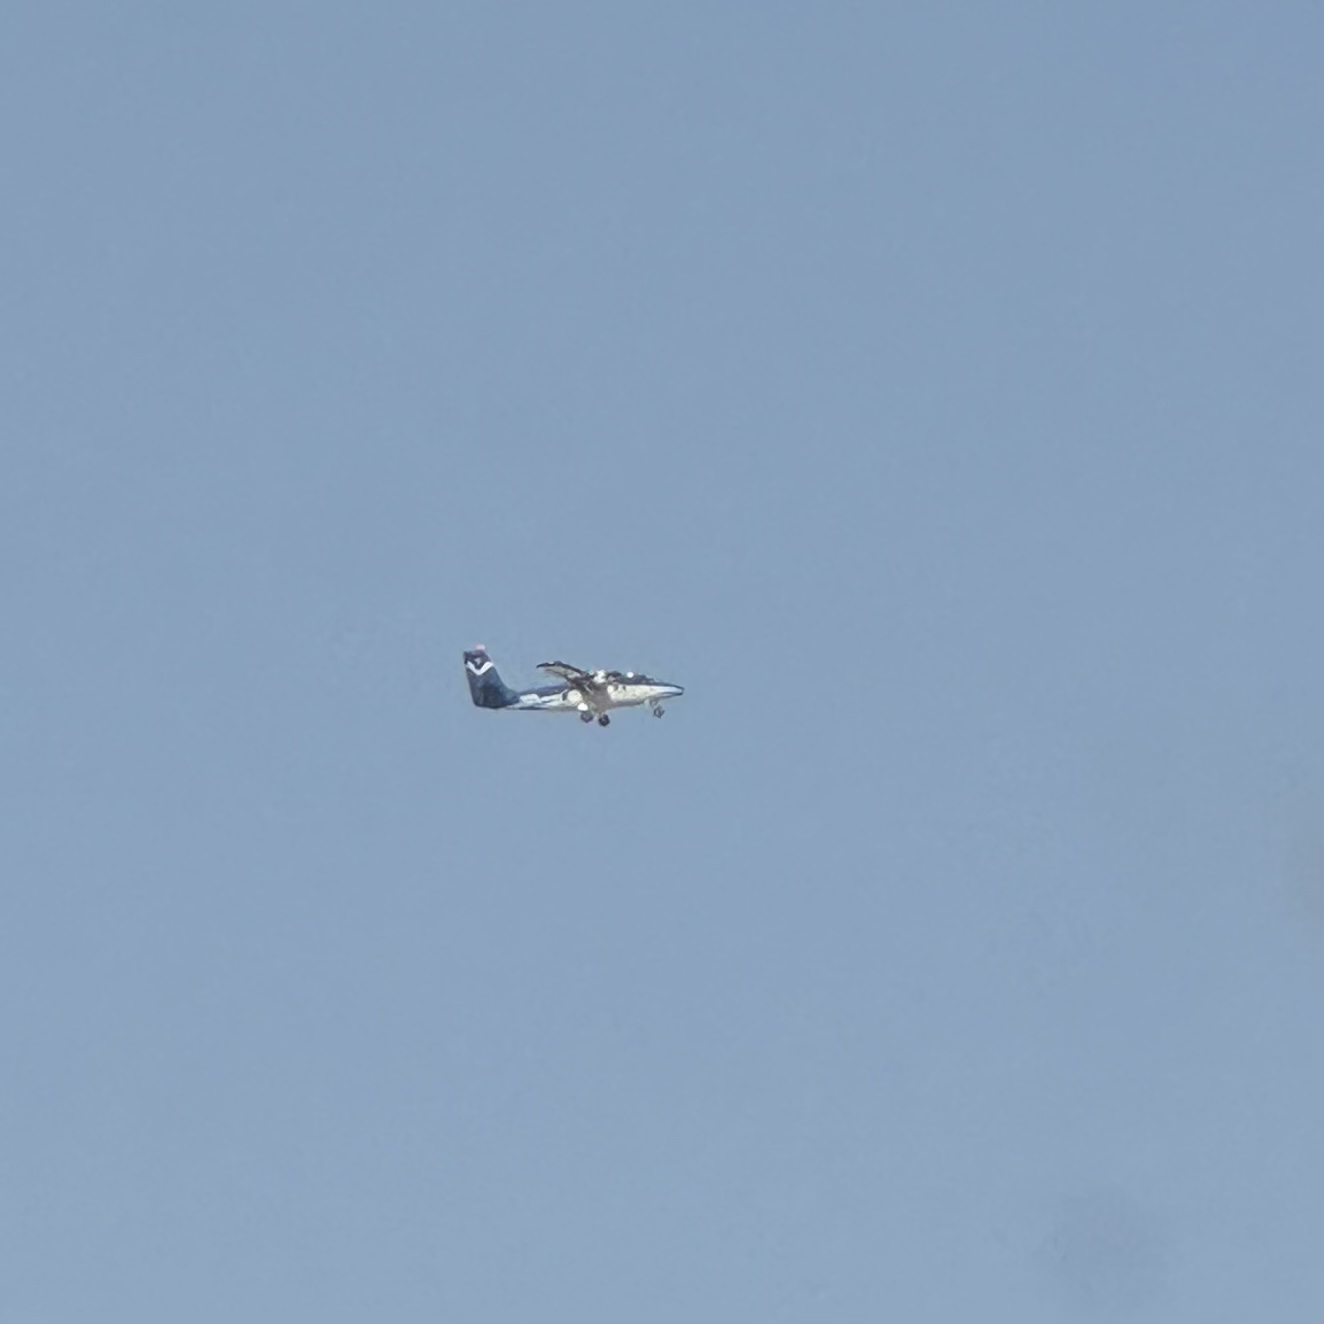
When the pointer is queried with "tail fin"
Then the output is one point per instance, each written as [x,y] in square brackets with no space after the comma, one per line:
[486,687]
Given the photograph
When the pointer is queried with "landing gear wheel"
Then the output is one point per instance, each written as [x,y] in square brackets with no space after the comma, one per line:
[603,719]
[585,717]
[657,712]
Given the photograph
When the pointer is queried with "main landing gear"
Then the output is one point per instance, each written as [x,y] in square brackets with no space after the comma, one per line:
[603,719]
[586,716]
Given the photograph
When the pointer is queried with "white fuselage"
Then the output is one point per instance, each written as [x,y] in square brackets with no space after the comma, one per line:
[600,699]
[629,696]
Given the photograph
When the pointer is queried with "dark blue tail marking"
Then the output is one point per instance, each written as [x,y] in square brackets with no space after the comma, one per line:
[486,687]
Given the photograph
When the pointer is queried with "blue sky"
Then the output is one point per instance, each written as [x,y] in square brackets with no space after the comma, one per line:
[934,391]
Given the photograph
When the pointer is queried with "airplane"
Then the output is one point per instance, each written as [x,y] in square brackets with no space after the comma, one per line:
[589,693]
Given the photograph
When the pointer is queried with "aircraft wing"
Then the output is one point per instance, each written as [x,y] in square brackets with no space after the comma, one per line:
[584,680]
[571,675]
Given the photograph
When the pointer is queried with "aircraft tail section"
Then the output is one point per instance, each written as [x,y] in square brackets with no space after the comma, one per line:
[486,687]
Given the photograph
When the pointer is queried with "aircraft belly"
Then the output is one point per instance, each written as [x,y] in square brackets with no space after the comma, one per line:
[628,696]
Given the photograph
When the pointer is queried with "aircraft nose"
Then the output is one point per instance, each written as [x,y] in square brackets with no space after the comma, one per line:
[675,691]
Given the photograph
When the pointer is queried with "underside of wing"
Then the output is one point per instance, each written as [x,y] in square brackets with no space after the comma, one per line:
[571,675]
